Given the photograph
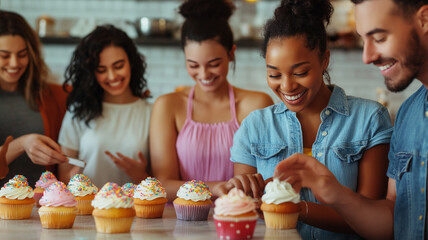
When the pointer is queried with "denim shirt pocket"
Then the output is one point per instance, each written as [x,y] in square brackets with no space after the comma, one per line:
[350,152]
[267,151]
[404,160]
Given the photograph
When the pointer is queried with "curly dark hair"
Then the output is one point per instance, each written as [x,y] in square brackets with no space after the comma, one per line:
[300,18]
[207,19]
[407,7]
[86,96]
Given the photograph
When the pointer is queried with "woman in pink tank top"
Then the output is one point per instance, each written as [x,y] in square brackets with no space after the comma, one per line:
[192,130]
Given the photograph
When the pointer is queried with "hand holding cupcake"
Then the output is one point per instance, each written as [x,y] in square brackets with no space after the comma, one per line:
[193,202]
[16,199]
[280,205]
[150,198]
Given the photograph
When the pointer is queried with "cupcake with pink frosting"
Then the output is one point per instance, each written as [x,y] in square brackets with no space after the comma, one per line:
[45,180]
[235,215]
[58,207]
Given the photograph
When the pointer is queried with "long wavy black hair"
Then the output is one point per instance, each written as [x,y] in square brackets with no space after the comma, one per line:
[86,97]
[207,19]
[306,18]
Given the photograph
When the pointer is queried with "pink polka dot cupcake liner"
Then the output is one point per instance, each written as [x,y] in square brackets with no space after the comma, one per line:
[229,228]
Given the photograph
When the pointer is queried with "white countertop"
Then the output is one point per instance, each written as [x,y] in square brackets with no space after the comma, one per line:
[167,227]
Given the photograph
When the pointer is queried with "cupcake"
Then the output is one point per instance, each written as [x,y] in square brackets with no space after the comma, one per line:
[193,201]
[150,198]
[58,207]
[84,192]
[280,205]
[128,189]
[45,180]
[235,215]
[113,210]
[16,199]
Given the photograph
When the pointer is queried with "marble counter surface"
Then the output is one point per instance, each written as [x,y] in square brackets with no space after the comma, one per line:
[167,227]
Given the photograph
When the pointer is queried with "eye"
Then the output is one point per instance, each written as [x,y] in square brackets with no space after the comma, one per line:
[23,54]
[100,70]
[274,75]
[193,66]
[119,66]
[215,65]
[380,40]
[302,74]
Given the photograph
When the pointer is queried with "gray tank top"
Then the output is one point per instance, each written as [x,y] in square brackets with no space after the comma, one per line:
[17,119]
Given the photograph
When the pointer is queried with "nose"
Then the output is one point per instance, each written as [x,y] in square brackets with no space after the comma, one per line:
[288,84]
[370,53]
[13,60]
[203,73]
[111,75]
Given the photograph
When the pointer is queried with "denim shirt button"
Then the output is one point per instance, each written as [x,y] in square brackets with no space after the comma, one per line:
[420,217]
[422,190]
[319,155]
[426,114]
[422,163]
[327,112]
[324,133]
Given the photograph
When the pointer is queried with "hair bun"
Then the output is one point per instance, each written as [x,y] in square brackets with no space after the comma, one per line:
[309,9]
[207,9]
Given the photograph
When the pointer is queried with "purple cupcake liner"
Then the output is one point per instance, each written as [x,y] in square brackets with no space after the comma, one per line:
[192,212]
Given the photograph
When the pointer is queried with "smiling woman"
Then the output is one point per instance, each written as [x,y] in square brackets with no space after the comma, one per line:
[31,109]
[107,122]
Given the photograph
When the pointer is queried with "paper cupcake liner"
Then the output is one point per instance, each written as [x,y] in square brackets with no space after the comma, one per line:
[149,211]
[235,228]
[15,211]
[113,225]
[280,220]
[84,207]
[60,219]
[192,212]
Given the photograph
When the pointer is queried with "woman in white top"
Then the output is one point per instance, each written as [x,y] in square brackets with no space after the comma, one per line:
[107,119]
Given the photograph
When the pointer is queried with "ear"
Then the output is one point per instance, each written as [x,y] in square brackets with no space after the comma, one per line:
[422,18]
[232,53]
[326,59]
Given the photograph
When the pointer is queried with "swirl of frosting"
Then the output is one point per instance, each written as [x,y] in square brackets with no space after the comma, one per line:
[150,189]
[17,188]
[278,192]
[195,191]
[46,179]
[234,203]
[80,186]
[112,196]
[57,195]
[128,189]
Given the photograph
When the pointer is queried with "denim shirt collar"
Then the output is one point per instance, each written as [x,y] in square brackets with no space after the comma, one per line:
[338,102]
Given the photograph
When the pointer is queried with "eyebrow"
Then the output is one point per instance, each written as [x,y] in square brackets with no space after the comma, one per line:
[25,49]
[376,30]
[213,60]
[292,67]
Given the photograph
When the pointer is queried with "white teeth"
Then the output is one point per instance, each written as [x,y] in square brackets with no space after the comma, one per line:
[207,81]
[384,67]
[114,84]
[12,70]
[295,97]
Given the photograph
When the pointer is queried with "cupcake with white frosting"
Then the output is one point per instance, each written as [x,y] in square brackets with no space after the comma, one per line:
[16,199]
[113,210]
[84,192]
[149,198]
[280,205]
[193,201]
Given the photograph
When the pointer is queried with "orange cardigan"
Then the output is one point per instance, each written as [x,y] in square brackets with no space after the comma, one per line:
[52,108]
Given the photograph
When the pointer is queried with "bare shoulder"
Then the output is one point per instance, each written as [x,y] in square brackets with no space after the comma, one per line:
[171,100]
[252,99]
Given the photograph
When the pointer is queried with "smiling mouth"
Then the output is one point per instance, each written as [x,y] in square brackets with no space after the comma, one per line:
[114,84]
[294,97]
[387,66]
[207,81]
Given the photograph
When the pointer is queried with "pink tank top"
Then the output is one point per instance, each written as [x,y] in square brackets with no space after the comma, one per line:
[204,148]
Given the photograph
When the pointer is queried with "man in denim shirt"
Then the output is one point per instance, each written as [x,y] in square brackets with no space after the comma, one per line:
[395,34]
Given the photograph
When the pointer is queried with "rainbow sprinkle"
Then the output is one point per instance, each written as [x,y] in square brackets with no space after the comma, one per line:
[58,185]
[46,176]
[18,181]
[198,187]
[82,182]
[128,189]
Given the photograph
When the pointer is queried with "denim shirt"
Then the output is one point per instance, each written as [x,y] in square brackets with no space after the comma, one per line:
[408,166]
[349,126]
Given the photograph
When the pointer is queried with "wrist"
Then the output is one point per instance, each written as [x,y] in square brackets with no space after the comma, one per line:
[303,215]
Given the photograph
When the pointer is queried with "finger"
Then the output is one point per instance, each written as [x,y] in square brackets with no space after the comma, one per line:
[49,155]
[236,183]
[116,160]
[246,185]
[295,159]
[256,190]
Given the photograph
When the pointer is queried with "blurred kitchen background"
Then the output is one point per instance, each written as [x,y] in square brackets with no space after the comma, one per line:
[60,24]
